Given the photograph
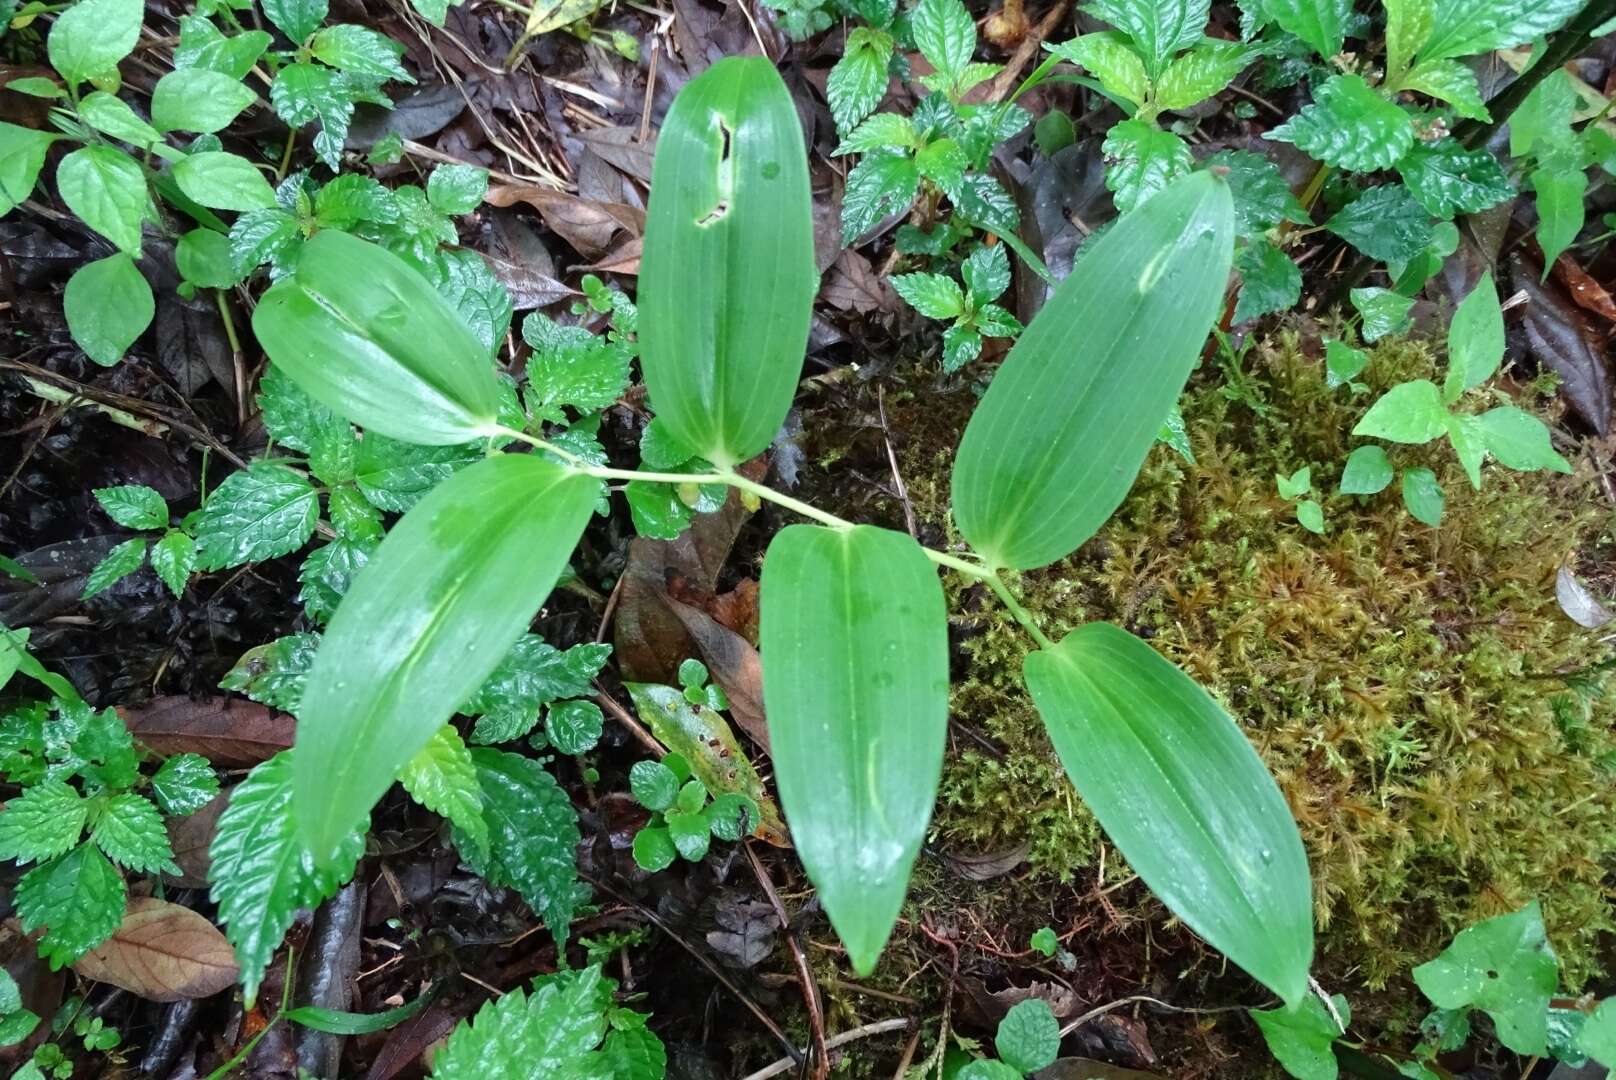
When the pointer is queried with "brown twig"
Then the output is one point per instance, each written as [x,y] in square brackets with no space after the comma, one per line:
[879,1027]
[1028,48]
[805,976]
[626,718]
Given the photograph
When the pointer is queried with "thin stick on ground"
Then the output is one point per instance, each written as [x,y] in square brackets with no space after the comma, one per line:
[879,1027]
[805,976]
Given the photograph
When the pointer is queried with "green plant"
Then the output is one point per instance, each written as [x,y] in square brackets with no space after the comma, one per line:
[1502,967]
[80,772]
[117,192]
[1296,486]
[567,1024]
[682,820]
[1418,412]
[1027,1040]
[853,625]
[944,147]
[172,555]
[987,275]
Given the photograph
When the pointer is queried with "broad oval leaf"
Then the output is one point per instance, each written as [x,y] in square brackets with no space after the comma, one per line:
[727,281]
[1061,433]
[1183,796]
[854,633]
[162,952]
[367,335]
[436,608]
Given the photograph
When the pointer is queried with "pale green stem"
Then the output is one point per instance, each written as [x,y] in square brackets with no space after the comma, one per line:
[734,479]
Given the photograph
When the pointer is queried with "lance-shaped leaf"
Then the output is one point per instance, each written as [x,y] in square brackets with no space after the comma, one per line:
[1183,796]
[436,608]
[1061,433]
[727,281]
[367,335]
[854,634]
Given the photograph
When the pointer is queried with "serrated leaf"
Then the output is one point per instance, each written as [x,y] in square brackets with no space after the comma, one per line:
[1519,440]
[134,506]
[1269,280]
[297,19]
[945,34]
[394,475]
[1033,481]
[443,778]
[1383,311]
[261,236]
[572,367]
[933,295]
[1301,1037]
[108,304]
[426,622]
[303,93]
[274,674]
[635,1053]
[362,51]
[1184,797]
[1108,56]
[532,837]
[1467,27]
[118,564]
[1475,339]
[855,680]
[1350,126]
[1157,28]
[1449,81]
[42,823]
[1386,223]
[89,38]
[1262,198]
[259,513]
[1200,73]
[1368,470]
[880,184]
[858,82]
[478,296]
[328,573]
[1410,412]
[554,1032]
[1028,1037]
[1320,23]
[183,783]
[130,830]
[261,874]
[531,675]
[106,189]
[1504,967]
[883,131]
[1423,497]
[196,99]
[727,280]
[368,336]
[1448,178]
[1142,159]
[987,273]
[574,727]
[77,897]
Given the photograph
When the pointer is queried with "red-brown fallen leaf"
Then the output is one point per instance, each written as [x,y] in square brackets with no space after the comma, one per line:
[1584,291]
[1560,338]
[162,952]
[587,225]
[227,731]
[190,836]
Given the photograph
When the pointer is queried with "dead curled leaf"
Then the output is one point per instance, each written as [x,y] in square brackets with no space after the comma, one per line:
[1560,338]
[587,225]
[162,952]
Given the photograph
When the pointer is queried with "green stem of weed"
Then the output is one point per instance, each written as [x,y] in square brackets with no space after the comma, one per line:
[964,567]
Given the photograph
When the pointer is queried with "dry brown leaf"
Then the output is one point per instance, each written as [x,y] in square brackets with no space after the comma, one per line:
[1585,292]
[853,285]
[190,837]
[227,731]
[163,952]
[588,226]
